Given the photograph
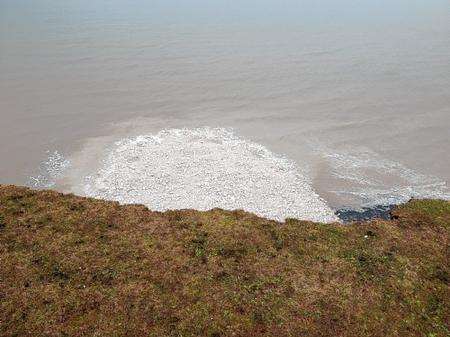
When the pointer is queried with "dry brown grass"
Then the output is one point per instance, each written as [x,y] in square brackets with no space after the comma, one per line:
[71,266]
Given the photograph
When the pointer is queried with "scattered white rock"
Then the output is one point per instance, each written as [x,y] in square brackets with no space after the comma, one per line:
[205,168]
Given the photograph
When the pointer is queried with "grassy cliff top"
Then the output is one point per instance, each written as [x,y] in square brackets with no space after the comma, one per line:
[72,266]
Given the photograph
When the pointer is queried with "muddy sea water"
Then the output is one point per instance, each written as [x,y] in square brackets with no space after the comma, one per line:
[284,108]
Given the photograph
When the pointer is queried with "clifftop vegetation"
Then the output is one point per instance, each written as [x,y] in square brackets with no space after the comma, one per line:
[73,266]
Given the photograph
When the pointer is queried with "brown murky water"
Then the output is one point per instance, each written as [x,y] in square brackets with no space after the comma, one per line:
[356,95]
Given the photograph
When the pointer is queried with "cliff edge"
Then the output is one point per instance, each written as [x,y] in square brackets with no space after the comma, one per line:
[73,266]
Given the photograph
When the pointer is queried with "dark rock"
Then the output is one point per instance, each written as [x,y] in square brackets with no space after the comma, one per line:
[366,213]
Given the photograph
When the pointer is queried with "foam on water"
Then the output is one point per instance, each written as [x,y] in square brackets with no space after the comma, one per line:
[50,170]
[205,168]
[375,180]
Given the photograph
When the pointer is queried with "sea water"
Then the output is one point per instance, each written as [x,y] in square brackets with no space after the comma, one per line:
[284,108]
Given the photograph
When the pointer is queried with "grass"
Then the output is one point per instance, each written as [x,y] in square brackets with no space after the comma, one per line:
[72,266]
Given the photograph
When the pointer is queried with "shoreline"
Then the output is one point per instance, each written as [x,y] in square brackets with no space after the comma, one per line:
[346,215]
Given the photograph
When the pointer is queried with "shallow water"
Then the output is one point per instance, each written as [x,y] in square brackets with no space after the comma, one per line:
[355,94]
